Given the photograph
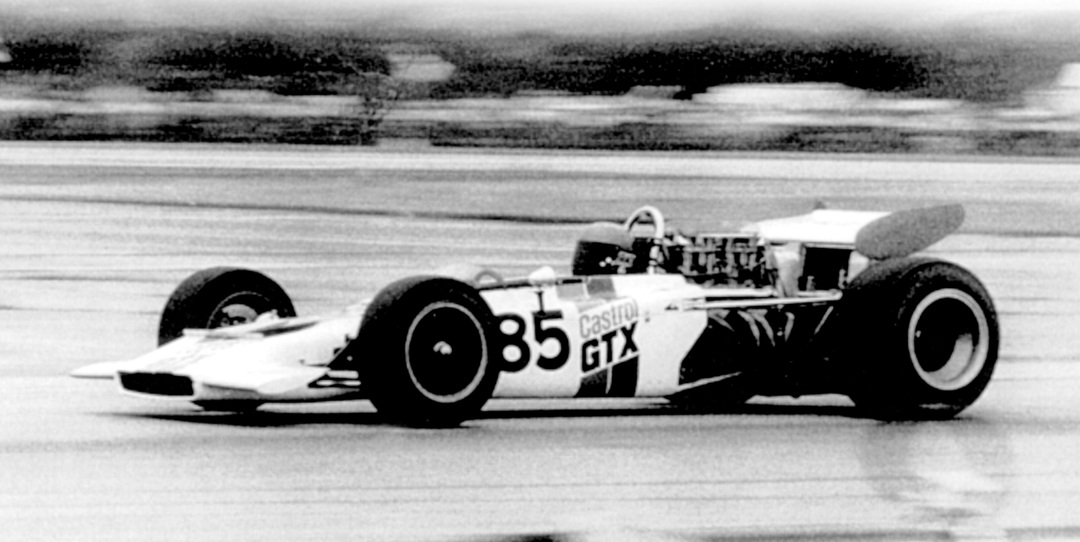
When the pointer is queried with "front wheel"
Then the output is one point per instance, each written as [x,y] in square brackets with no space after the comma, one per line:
[429,352]
[221,297]
[923,338]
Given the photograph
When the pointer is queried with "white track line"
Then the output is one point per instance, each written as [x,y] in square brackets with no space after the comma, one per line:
[809,167]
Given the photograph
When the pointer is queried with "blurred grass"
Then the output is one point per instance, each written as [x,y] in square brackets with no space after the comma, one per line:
[187,129]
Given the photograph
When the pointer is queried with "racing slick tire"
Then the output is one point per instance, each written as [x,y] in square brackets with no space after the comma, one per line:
[218,297]
[921,341]
[430,352]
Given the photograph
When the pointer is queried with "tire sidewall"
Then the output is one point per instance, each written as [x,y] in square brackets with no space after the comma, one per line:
[879,309]
[194,303]
[386,335]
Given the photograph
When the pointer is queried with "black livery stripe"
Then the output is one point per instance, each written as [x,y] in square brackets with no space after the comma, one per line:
[618,380]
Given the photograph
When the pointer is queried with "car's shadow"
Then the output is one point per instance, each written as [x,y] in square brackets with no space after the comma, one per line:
[281,417]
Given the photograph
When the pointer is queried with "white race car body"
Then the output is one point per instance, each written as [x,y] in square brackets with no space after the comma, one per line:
[665,330]
[604,336]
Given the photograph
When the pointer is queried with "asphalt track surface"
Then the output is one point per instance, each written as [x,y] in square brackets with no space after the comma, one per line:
[95,236]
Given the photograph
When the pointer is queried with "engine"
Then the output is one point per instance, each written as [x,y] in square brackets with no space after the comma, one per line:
[729,260]
[733,260]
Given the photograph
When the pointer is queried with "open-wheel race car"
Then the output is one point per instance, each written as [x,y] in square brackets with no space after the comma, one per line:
[831,302]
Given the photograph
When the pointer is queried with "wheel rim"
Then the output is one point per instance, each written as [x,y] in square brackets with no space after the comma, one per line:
[948,339]
[446,352]
[238,309]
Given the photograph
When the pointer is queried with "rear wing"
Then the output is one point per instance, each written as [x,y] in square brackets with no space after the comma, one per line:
[876,235]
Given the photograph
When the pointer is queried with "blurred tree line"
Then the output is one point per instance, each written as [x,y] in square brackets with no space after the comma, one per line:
[181,60]
[968,67]
[334,62]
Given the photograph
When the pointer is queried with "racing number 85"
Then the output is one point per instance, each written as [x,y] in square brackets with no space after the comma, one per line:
[516,339]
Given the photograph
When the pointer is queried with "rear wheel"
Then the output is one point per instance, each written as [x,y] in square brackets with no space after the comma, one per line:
[429,348]
[923,338]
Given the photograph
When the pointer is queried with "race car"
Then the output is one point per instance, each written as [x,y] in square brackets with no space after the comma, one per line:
[831,302]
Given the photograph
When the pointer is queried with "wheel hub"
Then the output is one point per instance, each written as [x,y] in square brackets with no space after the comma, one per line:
[948,339]
[446,352]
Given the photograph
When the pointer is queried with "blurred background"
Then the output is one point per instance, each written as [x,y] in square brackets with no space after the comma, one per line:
[991,77]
